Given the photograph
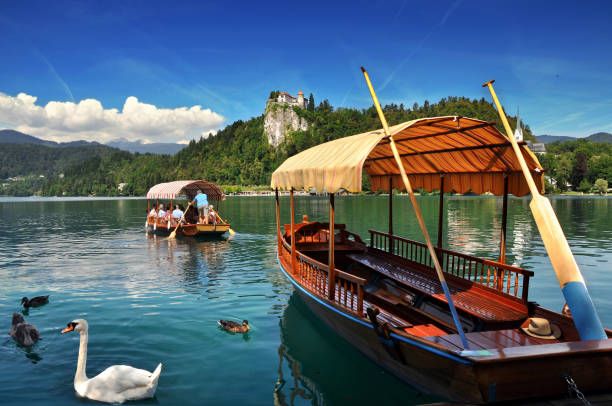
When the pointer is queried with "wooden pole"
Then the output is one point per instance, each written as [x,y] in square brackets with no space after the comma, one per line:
[293,255]
[391,205]
[278,230]
[417,212]
[441,212]
[331,275]
[572,283]
[502,242]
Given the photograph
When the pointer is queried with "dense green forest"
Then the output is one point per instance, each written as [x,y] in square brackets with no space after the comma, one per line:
[577,165]
[34,160]
[240,154]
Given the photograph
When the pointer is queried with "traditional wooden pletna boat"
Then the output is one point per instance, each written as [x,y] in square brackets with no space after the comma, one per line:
[185,190]
[462,335]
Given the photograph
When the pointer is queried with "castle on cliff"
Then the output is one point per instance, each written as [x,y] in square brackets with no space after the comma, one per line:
[286,98]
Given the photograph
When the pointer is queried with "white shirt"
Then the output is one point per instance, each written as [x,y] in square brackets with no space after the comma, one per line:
[177,214]
[152,213]
[161,213]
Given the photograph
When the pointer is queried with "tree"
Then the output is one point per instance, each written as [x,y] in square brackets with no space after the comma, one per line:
[585,186]
[601,185]
[564,171]
[311,103]
[580,168]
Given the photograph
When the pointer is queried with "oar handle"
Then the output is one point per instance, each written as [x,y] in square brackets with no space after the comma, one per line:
[519,155]
[381,115]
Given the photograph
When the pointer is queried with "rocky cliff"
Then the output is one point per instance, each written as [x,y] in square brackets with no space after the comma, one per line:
[280,120]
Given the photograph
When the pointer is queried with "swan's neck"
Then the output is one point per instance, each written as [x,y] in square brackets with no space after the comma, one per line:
[82,362]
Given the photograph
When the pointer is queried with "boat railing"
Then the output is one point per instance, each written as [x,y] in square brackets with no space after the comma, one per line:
[501,277]
[313,275]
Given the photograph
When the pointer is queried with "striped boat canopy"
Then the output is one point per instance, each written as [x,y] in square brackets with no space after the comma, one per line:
[171,190]
[471,155]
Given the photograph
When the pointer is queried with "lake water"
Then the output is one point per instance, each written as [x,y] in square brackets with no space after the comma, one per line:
[150,300]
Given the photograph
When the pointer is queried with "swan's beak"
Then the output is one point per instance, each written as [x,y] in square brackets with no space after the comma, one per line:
[69,328]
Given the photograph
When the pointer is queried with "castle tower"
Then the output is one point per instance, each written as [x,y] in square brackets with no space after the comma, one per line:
[301,102]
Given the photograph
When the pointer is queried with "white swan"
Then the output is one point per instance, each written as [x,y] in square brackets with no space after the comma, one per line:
[115,384]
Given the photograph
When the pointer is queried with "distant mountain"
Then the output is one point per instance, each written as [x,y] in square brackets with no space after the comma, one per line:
[597,137]
[16,137]
[600,137]
[158,148]
[17,160]
[547,139]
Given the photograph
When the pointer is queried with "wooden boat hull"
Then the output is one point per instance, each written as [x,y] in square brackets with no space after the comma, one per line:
[188,230]
[471,378]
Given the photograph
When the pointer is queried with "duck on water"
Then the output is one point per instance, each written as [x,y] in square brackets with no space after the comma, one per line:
[234,327]
[23,333]
[35,301]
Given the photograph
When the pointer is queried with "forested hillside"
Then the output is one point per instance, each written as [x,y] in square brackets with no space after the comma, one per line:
[240,153]
[577,165]
[34,160]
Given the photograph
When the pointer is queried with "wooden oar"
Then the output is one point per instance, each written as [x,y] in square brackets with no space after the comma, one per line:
[417,212]
[572,283]
[173,234]
[232,232]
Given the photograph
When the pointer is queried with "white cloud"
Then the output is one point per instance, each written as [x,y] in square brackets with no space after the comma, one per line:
[88,120]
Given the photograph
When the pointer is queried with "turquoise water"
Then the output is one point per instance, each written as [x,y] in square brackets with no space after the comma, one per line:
[150,300]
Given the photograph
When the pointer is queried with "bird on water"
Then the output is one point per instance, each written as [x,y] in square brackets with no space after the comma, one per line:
[24,333]
[117,383]
[35,301]
[234,327]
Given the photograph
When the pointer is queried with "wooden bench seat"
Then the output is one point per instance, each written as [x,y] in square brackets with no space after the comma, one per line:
[467,296]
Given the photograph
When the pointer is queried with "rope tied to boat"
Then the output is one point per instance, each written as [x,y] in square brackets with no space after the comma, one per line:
[572,389]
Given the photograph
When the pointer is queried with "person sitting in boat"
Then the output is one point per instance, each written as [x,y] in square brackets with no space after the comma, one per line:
[201,200]
[177,213]
[161,213]
[212,215]
[153,212]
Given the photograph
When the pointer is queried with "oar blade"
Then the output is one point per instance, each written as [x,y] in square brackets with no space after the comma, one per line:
[564,264]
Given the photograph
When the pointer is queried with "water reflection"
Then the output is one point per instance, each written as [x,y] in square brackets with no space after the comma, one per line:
[318,367]
[308,390]
[197,261]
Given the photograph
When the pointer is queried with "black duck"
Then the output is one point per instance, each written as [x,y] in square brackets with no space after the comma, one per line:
[35,301]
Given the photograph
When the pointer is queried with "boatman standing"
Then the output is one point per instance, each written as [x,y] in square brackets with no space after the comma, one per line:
[201,200]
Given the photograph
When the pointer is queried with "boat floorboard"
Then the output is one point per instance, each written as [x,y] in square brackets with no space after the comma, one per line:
[484,340]
[595,400]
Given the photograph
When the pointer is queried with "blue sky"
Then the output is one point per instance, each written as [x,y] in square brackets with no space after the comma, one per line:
[160,59]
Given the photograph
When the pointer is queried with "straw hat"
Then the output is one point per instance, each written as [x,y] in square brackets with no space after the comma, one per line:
[541,328]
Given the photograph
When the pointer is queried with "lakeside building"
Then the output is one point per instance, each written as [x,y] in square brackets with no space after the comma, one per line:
[535,147]
[538,148]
